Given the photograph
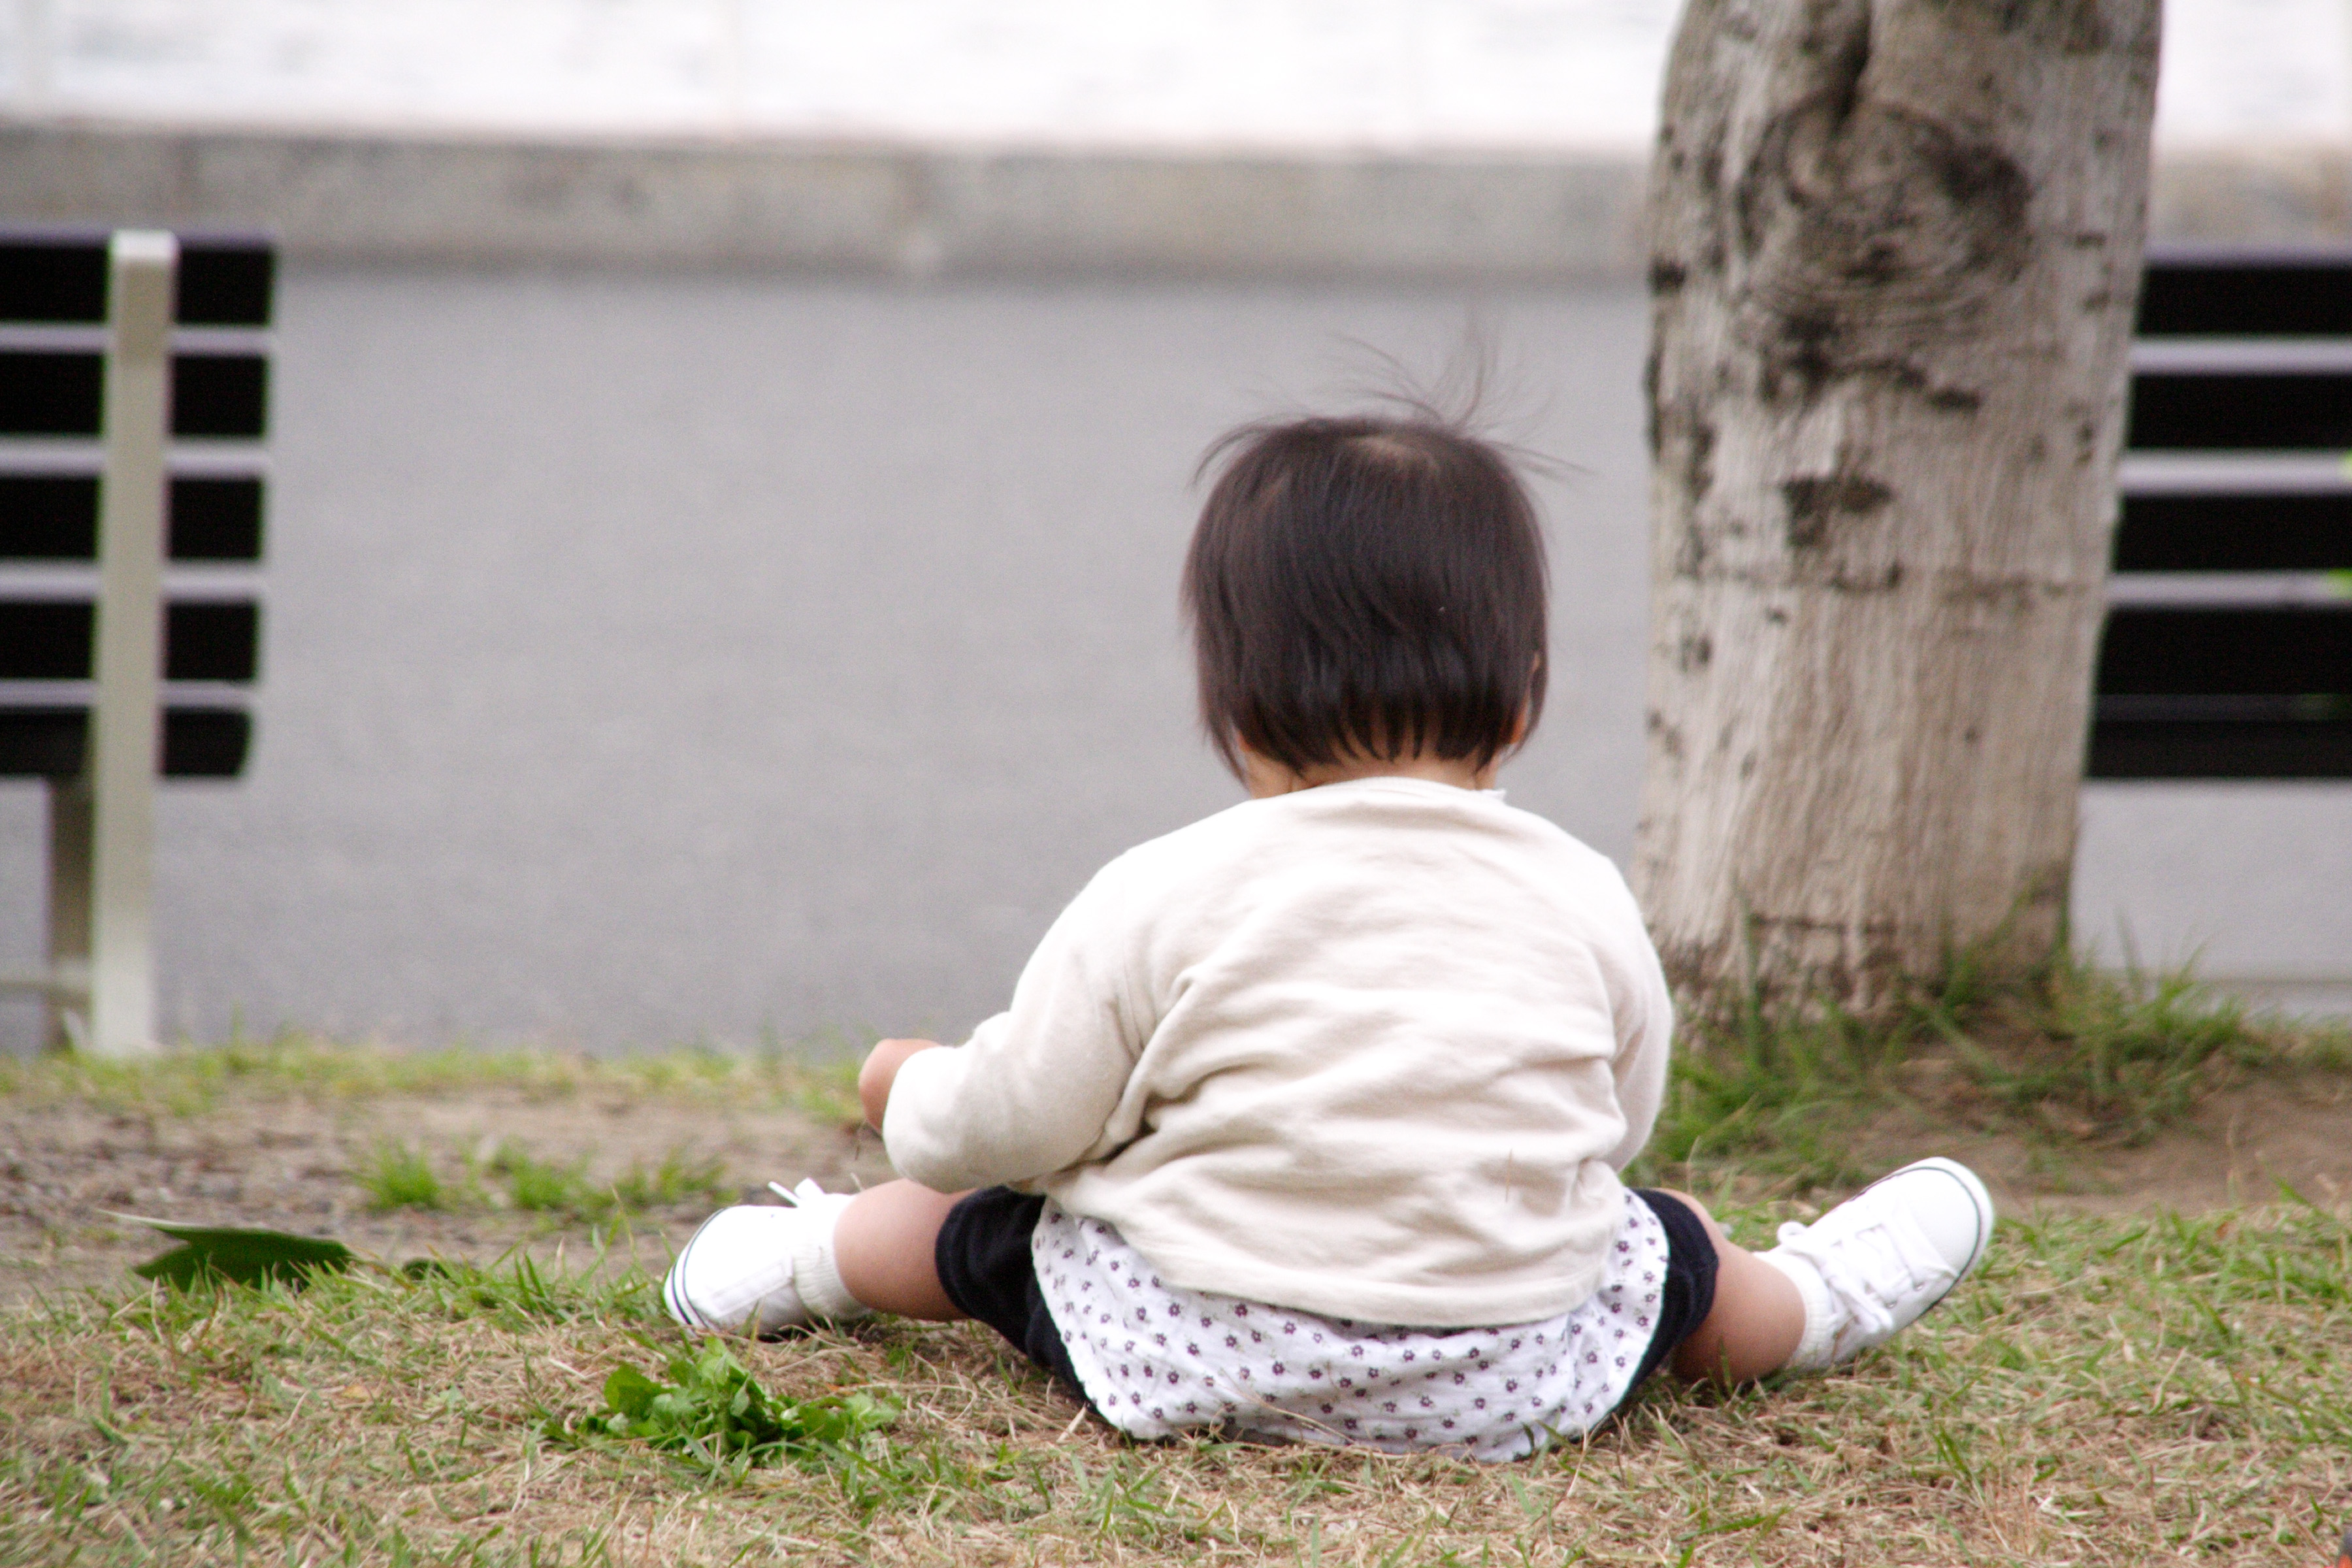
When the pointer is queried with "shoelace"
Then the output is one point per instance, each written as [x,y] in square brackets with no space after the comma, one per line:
[807,1193]
[1885,1242]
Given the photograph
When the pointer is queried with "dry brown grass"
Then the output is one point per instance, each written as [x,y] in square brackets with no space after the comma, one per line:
[2110,1389]
[2106,1392]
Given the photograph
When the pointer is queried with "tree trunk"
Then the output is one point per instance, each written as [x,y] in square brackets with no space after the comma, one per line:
[1895,248]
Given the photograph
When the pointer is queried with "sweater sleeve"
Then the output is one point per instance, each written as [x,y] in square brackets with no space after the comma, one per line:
[1035,1087]
[1645,1010]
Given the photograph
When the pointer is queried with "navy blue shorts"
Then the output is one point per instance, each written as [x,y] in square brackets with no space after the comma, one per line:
[985,1267]
[1689,1293]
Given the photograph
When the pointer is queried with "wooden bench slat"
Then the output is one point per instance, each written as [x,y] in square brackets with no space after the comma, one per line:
[2188,650]
[224,280]
[57,393]
[54,517]
[2144,748]
[2246,296]
[52,743]
[204,640]
[2235,530]
[2240,410]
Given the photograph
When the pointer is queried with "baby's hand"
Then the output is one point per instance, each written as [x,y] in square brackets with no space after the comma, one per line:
[881,1070]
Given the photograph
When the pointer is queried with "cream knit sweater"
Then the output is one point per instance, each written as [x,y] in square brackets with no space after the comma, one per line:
[1373,1049]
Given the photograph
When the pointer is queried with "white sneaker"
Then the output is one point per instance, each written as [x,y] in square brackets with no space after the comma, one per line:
[761,1267]
[1871,1265]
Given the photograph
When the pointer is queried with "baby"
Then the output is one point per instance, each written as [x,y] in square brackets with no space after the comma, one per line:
[1305,1121]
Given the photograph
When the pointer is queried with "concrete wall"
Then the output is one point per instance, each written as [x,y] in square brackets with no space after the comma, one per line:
[925,213]
[879,211]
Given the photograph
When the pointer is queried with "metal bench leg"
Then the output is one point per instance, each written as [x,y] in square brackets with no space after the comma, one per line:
[69,864]
[125,727]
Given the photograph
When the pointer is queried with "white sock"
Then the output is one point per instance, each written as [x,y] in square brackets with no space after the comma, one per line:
[818,1280]
[1819,1338]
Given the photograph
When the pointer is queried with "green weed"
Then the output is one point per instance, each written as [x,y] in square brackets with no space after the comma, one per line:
[715,1413]
[2118,1056]
[1781,1086]
[517,1179]
[517,1293]
[1775,1088]
[675,1180]
[536,1186]
[397,1176]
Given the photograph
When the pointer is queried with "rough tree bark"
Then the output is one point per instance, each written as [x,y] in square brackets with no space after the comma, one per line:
[1896,247]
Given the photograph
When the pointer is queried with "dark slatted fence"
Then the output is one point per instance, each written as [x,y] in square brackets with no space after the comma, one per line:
[2242,377]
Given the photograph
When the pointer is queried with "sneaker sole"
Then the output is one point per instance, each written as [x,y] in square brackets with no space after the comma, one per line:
[673,1287]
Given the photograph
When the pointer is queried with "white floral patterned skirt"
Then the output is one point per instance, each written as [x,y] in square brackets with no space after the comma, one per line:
[1157,1360]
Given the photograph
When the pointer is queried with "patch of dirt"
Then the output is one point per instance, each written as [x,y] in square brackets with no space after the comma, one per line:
[2237,1150]
[292,1165]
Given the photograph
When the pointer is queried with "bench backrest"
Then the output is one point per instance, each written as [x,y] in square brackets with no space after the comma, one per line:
[53,336]
[2228,651]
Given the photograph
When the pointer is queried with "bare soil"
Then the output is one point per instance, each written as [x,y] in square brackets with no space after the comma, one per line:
[66,1169]
[2239,1149]
[293,1164]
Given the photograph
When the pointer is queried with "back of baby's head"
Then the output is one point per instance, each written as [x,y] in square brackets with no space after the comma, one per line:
[1366,586]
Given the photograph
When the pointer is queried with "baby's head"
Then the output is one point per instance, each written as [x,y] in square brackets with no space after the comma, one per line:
[1366,588]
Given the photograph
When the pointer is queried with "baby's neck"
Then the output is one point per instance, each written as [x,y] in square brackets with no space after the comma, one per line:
[1266,779]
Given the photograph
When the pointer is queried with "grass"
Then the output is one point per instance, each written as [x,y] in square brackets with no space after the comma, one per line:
[194,1079]
[400,1176]
[2076,1054]
[2152,1389]
[2073,1053]
[2158,1389]
[406,1176]
[539,1186]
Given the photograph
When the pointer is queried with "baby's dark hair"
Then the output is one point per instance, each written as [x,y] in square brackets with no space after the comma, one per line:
[1365,586]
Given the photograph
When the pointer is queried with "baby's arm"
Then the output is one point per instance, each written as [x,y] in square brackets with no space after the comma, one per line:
[1645,1014]
[1036,1088]
[1640,1070]
[881,1071]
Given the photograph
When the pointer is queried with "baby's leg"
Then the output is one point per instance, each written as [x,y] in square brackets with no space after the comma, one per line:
[885,1244]
[1756,1321]
[819,1256]
[1852,1279]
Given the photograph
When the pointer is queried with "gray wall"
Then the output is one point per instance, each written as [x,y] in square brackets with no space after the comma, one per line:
[655,655]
